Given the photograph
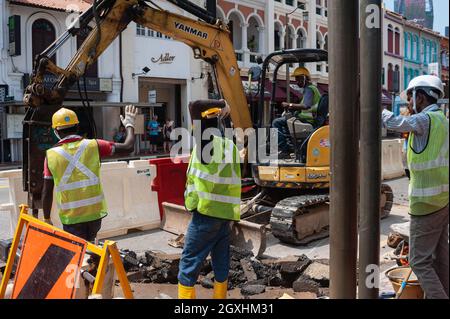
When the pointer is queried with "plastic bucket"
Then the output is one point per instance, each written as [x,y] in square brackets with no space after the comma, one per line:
[412,290]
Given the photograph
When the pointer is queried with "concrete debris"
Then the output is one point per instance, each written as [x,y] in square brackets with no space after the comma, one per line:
[251,290]
[290,271]
[207,283]
[238,253]
[137,276]
[246,272]
[318,272]
[162,268]
[324,293]
[249,272]
[177,242]
[304,284]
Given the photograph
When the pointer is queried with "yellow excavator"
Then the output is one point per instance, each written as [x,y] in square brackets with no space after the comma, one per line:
[293,194]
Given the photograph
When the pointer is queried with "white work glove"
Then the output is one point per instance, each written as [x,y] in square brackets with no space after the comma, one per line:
[130,116]
[225,111]
[48,221]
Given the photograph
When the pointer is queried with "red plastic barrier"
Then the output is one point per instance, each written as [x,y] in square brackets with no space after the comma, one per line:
[170,180]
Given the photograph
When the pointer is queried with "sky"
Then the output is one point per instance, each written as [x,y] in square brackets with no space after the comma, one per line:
[441,9]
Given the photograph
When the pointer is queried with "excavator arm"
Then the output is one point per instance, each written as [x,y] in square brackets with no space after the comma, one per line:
[210,42]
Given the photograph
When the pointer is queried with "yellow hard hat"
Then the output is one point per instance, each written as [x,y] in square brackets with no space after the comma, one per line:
[301,71]
[64,118]
[212,113]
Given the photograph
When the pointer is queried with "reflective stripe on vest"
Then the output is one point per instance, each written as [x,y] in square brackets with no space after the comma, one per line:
[214,189]
[215,197]
[75,167]
[308,114]
[428,189]
[431,191]
[74,163]
[214,178]
[82,202]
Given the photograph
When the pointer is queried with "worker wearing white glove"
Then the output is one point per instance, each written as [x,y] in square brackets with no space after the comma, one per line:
[130,116]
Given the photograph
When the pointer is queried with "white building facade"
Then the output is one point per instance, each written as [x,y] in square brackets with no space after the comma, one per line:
[116,78]
[393,49]
[259,27]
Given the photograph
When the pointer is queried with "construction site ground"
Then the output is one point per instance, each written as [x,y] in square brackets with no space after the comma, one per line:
[157,240]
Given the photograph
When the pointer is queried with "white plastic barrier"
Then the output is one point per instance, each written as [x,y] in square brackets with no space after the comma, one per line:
[127,188]
[392,159]
[16,195]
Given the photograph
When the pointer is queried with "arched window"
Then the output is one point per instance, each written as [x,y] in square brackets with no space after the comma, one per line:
[433,53]
[43,34]
[288,38]
[418,54]
[425,51]
[319,40]
[390,77]
[406,39]
[390,39]
[397,41]
[253,35]
[405,78]
[301,39]
[236,30]
[277,36]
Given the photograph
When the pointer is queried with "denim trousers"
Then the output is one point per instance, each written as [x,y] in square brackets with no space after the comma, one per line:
[205,235]
[283,133]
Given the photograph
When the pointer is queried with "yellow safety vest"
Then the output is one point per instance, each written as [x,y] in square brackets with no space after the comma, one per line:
[214,189]
[75,167]
[428,188]
[308,115]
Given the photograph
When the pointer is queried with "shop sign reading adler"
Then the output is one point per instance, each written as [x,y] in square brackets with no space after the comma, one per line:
[164,58]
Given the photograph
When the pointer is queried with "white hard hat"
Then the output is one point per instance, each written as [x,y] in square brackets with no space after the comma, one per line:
[428,83]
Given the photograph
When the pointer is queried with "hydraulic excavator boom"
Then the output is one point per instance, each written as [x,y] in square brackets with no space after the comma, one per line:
[209,39]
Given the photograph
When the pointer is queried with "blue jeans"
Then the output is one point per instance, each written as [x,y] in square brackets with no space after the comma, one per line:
[283,132]
[205,235]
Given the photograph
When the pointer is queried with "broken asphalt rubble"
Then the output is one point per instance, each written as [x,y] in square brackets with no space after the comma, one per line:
[247,273]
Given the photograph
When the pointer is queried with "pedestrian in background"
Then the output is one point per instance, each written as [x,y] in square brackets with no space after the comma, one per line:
[167,129]
[153,131]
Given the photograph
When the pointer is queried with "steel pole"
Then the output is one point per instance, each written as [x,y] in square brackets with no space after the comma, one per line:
[370,148]
[343,61]
[288,77]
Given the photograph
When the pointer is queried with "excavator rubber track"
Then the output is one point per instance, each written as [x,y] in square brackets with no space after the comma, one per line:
[284,213]
[283,216]
[386,200]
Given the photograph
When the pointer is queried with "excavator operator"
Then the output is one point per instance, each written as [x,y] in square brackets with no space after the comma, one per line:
[73,167]
[305,111]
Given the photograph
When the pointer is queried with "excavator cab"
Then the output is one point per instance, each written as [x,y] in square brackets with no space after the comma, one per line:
[294,192]
[309,167]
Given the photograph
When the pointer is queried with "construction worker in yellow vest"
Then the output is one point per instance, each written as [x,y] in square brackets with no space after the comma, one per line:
[427,157]
[73,167]
[213,195]
[305,111]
